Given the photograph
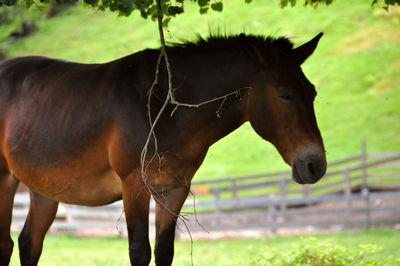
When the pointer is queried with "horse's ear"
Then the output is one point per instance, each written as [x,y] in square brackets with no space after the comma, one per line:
[251,49]
[304,51]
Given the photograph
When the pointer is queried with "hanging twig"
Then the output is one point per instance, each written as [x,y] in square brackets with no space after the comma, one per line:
[169,99]
[223,98]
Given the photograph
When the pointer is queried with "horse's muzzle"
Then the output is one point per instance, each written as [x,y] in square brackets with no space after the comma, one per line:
[308,167]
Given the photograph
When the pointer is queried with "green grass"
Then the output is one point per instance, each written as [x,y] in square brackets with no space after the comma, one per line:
[356,68]
[11,18]
[64,250]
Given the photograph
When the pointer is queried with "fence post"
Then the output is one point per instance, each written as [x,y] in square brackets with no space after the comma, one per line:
[234,191]
[272,212]
[364,184]
[69,218]
[347,187]
[306,190]
[282,184]
[217,205]
[217,198]
[365,195]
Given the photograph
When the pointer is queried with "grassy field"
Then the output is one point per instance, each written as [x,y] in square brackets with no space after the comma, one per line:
[67,250]
[356,68]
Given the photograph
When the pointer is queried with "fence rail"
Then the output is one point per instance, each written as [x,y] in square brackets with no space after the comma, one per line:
[361,190]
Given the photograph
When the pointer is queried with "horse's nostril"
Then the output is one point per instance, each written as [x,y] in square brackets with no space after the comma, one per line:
[311,168]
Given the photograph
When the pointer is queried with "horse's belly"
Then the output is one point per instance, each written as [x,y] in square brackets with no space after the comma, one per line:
[85,178]
[94,188]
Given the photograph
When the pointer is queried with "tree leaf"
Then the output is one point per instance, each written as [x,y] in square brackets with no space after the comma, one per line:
[91,2]
[203,3]
[129,4]
[174,10]
[217,6]
[203,10]
[166,21]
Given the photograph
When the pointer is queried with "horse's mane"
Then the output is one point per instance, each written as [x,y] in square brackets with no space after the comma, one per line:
[215,42]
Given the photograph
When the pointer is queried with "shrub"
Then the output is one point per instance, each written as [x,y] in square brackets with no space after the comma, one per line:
[309,251]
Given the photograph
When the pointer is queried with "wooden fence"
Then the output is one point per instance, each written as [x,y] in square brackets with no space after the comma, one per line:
[359,191]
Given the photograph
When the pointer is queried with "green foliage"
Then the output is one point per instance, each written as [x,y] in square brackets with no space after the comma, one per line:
[217,6]
[385,3]
[12,17]
[313,3]
[170,8]
[309,251]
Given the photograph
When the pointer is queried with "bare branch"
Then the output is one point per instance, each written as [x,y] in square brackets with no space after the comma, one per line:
[195,212]
[169,99]
[144,164]
[150,94]
[223,98]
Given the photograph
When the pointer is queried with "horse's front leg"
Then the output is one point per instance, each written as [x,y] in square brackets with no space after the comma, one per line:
[168,207]
[42,212]
[136,206]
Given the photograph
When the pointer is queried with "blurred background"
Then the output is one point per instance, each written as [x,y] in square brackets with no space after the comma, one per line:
[356,70]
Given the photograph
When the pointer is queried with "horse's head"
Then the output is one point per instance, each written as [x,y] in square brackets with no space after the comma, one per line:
[280,106]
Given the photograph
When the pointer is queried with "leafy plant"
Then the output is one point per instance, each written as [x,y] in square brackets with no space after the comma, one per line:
[311,252]
[12,17]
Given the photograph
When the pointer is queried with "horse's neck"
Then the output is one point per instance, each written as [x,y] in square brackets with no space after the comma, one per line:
[220,86]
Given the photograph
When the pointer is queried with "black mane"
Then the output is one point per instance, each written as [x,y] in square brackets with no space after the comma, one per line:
[215,42]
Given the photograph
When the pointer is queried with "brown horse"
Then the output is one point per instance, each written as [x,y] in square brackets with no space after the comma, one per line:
[74,132]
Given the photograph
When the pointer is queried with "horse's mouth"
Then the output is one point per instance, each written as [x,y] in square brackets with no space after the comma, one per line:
[296,175]
[308,168]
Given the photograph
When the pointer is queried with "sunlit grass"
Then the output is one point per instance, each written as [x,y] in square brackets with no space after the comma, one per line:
[65,250]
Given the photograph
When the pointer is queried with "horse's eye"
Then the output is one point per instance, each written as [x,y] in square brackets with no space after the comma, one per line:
[287,97]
